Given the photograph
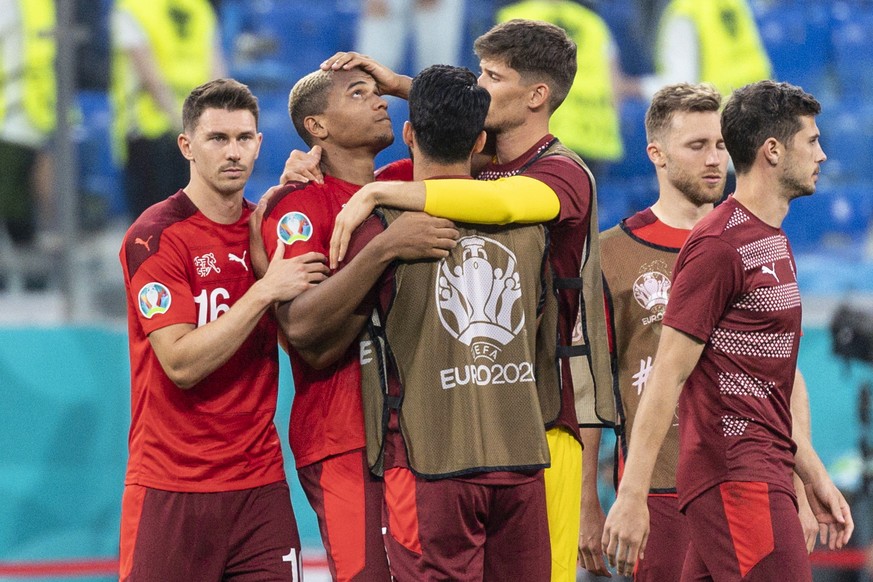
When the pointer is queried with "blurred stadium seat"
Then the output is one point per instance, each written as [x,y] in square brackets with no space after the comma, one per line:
[279,41]
[835,217]
[796,36]
[847,139]
[633,132]
[852,41]
[100,178]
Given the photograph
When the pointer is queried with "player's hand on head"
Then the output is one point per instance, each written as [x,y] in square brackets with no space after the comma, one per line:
[352,215]
[288,278]
[832,511]
[590,545]
[388,82]
[415,236]
[625,533]
[303,167]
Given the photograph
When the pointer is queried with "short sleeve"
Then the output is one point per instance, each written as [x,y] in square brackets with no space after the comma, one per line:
[707,277]
[161,292]
[300,222]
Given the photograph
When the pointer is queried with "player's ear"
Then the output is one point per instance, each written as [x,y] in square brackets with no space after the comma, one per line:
[539,95]
[314,124]
[184,143]
[656,154]
[480,142]
[772,150]
[408,134]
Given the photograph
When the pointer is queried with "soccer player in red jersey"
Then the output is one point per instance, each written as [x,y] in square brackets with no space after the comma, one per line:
[342,113]
[526,87]
[727,354]
[205,494]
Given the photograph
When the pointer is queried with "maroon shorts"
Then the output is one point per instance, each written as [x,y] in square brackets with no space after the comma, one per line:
[450,529]
[347,500]
[244,535]
[745,531]
[668,542]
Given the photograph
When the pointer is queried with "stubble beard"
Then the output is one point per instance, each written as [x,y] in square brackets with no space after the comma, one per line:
[796,188]
[696,191]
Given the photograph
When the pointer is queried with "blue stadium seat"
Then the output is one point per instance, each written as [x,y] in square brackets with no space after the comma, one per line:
[293,36]
[633,132]
[796,36]
[847,139]
[852,40]
[98,173]
[836,216]
[618,199]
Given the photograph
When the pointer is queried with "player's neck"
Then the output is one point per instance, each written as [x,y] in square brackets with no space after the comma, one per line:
[512,143]
[424,169]
[675,210]
[350,165]
[763,197]
[214,205]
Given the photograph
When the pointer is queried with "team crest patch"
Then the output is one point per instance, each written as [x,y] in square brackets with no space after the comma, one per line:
[154,298]
[293,227]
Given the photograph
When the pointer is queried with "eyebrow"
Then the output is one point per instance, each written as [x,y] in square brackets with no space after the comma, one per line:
[355,83]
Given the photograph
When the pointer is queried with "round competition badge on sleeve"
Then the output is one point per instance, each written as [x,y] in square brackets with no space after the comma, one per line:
[154,298]
[293,227]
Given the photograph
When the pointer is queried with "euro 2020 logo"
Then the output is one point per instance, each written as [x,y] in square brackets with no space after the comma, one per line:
[154,298]
[294,226]
[478,299]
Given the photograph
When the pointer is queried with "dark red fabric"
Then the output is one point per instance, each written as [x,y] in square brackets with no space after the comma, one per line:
[246,535]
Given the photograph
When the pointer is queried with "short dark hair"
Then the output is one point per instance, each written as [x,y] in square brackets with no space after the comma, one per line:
[447,111]
[226,94]
[539,51]
[309,96]
[679,98]
[759,111]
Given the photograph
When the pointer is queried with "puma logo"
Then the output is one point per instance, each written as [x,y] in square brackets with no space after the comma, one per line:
[770,271]
[240,260]
[145,243]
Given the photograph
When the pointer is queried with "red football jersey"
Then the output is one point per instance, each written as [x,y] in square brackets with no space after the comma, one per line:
[735,288]
[180,267]
[326,415]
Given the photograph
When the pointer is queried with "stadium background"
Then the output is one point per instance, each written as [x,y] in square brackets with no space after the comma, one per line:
[63,351]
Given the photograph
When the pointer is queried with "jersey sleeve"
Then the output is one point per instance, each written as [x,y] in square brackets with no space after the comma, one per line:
[300,222]
[161,291]
[400,170]
[707,276]
[507,200]
[569,182]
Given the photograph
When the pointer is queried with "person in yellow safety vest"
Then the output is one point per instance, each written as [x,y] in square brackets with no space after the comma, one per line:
[161,50]
[27,111]
[714,42]
[588,120]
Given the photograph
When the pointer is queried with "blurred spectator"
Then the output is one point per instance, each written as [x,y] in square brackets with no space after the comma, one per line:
[588,121]
[27,112]
[716,42]
[161,50]
[435,27]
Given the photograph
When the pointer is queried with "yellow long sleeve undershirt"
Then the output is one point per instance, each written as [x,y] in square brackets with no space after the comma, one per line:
[504,201]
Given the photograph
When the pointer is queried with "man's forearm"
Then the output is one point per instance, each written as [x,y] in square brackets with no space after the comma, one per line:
[323,317]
